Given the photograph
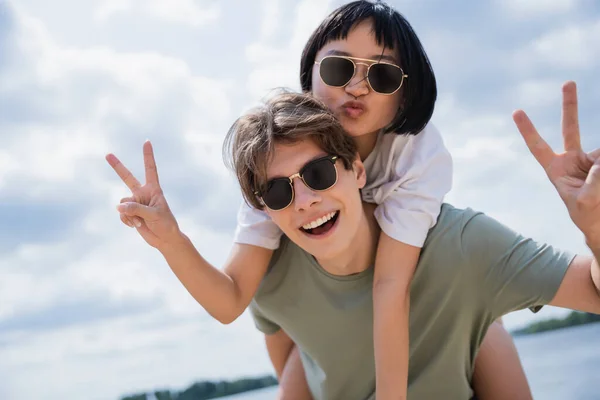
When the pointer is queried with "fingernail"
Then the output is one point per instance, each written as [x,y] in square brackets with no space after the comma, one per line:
[137,222]
[121,207]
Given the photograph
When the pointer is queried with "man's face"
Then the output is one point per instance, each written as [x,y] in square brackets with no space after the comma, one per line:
[341,205]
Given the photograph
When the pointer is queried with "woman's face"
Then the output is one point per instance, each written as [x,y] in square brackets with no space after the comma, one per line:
[361,110]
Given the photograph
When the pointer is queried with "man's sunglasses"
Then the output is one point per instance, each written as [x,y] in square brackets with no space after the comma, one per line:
[383,78]
[318,175]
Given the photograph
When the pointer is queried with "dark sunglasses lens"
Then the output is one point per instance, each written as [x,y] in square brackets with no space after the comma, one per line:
[278,194]
[336,71]
[320,174]
[385,78]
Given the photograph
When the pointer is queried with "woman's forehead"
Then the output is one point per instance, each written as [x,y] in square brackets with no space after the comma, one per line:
[361,42]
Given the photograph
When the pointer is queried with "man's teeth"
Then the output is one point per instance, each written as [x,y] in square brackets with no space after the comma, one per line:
[319,221]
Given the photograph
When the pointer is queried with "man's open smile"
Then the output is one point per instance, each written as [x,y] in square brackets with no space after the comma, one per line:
[321,225]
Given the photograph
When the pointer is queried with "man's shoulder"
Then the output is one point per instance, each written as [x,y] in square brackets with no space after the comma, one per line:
[458,228]
[468,230]
[452,219]
[452,213]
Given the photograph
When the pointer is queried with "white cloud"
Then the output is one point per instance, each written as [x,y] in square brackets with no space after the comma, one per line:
[537,8]
[95,96]
[573,47]
[92,96]
[271,18]
[277,65]
[187,12]
[536,93]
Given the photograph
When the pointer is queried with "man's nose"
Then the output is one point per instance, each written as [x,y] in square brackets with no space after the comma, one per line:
[304,197]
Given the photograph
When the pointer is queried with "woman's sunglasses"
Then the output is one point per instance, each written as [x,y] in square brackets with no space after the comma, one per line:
[384,78]
[318,175]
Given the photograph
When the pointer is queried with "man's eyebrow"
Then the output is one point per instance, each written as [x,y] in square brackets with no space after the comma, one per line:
[377,57]
[307,162]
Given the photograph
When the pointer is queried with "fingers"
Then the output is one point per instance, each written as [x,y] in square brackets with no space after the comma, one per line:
[570,118]
[126,220]
[132,209]
[143,230]
[130,221]
[150,164]
[537,145]
[125,175]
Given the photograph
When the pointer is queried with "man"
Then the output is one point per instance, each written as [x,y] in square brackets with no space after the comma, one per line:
[472,269]
[318,288]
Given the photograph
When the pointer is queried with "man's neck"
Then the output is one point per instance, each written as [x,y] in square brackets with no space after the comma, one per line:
[361,254]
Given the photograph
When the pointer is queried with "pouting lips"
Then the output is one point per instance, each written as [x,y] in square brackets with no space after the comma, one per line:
[324,227]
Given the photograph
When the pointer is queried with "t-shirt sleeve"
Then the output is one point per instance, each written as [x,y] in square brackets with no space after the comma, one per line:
[510,272]
[410,203]
[262,323]
[256,228]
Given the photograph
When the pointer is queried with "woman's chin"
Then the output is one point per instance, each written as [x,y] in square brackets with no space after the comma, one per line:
[356,129]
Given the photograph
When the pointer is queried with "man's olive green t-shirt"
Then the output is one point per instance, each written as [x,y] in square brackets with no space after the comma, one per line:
[472,270]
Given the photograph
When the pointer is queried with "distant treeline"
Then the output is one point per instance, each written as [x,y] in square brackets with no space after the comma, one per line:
[573,319]
[209,390]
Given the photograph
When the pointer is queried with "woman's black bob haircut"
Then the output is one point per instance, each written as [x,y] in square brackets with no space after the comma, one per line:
[393,31]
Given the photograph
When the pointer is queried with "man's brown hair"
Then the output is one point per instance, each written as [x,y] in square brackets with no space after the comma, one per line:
[286,117]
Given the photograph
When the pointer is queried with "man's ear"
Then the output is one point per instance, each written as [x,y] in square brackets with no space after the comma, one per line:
[359,172]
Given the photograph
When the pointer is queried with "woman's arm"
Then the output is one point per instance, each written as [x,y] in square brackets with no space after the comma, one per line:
[394,268]
[498,373]
[409,206]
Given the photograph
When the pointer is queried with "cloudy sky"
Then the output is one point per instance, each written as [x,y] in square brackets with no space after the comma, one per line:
[87,309]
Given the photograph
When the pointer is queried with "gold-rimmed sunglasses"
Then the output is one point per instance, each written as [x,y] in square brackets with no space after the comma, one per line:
[318,175]
[383,77]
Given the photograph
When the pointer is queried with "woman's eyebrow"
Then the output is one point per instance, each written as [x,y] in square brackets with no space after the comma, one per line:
[380,57]
[337,53]
[385,57]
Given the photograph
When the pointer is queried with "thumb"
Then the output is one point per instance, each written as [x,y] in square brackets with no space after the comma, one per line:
[136,209]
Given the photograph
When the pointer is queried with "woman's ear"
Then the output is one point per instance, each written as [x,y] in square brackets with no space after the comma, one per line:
[359,172]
